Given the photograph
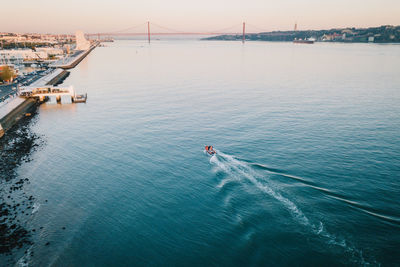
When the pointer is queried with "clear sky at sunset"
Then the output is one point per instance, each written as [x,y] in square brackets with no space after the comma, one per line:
[50,16]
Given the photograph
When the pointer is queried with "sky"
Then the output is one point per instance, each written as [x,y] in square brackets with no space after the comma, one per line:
[93,16]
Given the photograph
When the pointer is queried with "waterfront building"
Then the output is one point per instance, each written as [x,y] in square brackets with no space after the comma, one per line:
[50,50]
[81,42]
[20,55]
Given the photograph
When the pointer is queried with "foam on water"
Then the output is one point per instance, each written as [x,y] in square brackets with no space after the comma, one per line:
[224,182]
[24,260]
[240,169]
[36,207]
[387,218]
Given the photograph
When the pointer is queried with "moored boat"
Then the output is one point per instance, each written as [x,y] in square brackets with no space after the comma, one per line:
[80,98]
[303,41]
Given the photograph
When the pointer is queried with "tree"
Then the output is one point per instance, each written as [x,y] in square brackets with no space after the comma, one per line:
[6,74]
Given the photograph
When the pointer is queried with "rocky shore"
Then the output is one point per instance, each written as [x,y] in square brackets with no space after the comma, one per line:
[16,206]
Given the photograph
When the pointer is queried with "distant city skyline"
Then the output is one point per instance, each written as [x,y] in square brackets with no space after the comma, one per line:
[45,16]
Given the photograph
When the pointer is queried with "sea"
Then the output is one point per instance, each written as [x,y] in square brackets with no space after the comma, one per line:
[307,169]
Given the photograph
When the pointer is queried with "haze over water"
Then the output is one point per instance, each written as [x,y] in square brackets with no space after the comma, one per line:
[307,170]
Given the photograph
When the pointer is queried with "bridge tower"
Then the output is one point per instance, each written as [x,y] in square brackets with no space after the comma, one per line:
[148,31]
[244,32]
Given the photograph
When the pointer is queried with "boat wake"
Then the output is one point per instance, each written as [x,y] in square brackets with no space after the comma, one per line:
[239,170]
[393,220]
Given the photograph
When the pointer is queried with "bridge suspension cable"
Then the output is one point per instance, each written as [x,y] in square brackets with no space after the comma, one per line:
[131,28]
[234,29]
[257,28]
[122,30]
[169,29]
[225,30]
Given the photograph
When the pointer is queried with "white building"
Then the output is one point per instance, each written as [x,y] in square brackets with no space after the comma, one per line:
[81,42]
[18,55]
[50,50]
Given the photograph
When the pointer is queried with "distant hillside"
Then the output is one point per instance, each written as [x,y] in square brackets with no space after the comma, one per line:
[382,34]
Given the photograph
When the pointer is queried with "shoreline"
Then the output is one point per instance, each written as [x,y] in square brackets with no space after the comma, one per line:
[17,143]
[16,205]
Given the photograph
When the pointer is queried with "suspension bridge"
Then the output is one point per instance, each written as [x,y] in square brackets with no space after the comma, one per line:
[150,29]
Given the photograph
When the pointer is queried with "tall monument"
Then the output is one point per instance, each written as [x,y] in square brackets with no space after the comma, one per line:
[81,42]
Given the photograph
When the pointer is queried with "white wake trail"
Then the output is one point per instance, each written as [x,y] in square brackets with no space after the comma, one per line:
[240,169]
[235,166]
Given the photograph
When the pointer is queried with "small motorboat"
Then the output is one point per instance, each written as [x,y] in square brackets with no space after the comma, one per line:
[210,150]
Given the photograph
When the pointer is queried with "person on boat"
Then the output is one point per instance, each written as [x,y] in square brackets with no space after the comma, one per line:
[210,149]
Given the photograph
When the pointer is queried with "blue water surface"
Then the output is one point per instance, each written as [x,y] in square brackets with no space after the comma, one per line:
[307,170]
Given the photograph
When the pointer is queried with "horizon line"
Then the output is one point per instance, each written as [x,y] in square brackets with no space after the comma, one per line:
[200,32]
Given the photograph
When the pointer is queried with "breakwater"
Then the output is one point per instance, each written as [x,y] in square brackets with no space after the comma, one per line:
[76,59]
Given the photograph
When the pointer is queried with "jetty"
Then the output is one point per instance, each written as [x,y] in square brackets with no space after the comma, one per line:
[73,60]
[44,92]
